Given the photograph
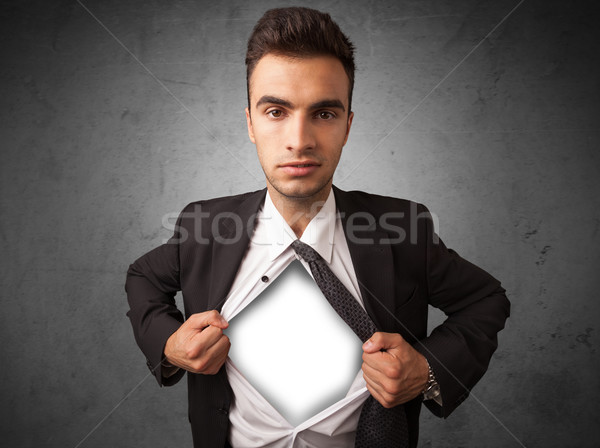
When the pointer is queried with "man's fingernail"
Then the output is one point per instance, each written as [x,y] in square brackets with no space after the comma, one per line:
[367,345]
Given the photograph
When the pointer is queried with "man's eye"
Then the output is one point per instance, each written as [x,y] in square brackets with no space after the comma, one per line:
[325,115]
[275,113]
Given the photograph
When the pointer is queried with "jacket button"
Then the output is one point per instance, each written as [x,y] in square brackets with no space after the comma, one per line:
[223,411]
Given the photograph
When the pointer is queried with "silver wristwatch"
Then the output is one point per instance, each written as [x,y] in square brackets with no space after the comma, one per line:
[432,388]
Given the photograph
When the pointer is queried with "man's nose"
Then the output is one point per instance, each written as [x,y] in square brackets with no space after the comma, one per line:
[300,134]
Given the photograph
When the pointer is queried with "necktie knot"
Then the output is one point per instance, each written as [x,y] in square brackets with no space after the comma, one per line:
[307,253]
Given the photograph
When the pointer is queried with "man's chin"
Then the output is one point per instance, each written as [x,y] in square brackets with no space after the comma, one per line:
[302,192]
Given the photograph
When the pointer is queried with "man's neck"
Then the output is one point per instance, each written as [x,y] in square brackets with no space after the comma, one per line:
[298,212]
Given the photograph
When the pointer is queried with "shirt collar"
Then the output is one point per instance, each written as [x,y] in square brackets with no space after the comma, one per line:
[319,234]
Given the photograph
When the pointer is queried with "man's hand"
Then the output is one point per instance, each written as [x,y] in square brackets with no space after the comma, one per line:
[199,345]
[396,375]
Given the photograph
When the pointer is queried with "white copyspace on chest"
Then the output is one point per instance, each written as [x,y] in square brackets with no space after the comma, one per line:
[292,346]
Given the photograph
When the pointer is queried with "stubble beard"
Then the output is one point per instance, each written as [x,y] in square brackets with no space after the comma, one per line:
[300,197]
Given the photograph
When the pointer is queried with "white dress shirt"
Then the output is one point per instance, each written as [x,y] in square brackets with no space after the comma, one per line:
[254,421]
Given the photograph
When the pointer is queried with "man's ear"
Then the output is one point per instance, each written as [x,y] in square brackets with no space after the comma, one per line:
[250,129]
[350,117]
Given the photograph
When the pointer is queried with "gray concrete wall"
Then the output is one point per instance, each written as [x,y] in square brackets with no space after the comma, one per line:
[117,113]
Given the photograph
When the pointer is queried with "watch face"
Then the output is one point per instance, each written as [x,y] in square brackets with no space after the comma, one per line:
[431,392]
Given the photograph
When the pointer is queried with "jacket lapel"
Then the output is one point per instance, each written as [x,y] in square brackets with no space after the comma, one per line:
[373,262]
[230,245]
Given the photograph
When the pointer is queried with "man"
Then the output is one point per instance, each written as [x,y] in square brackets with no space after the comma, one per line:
[300,75]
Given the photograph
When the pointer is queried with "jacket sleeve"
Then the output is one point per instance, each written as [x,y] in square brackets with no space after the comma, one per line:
[459,350]
[151,285]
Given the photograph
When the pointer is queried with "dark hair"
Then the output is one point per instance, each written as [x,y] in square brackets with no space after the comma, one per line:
[299,32]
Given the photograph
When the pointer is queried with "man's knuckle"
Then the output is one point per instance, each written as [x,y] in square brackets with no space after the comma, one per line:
[191,352]
[392,372]
[393,389]
[200,365]
[386,403]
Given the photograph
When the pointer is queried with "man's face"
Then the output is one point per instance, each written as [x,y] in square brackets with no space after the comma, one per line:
[299,122]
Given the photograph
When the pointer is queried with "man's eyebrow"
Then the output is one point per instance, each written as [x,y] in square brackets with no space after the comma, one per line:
[332,104]
[267,99]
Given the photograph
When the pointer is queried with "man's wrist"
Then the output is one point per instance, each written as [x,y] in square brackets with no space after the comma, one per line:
[167,369]
[431,391]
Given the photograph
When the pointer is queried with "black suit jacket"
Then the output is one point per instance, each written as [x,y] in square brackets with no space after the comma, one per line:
[401,266]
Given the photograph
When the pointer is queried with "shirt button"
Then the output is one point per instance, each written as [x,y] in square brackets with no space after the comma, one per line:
[264,278]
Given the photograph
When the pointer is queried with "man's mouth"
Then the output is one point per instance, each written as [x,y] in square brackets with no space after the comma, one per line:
[302,164]
[300,169]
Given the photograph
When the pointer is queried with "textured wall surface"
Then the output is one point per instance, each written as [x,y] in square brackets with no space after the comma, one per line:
[115,114]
